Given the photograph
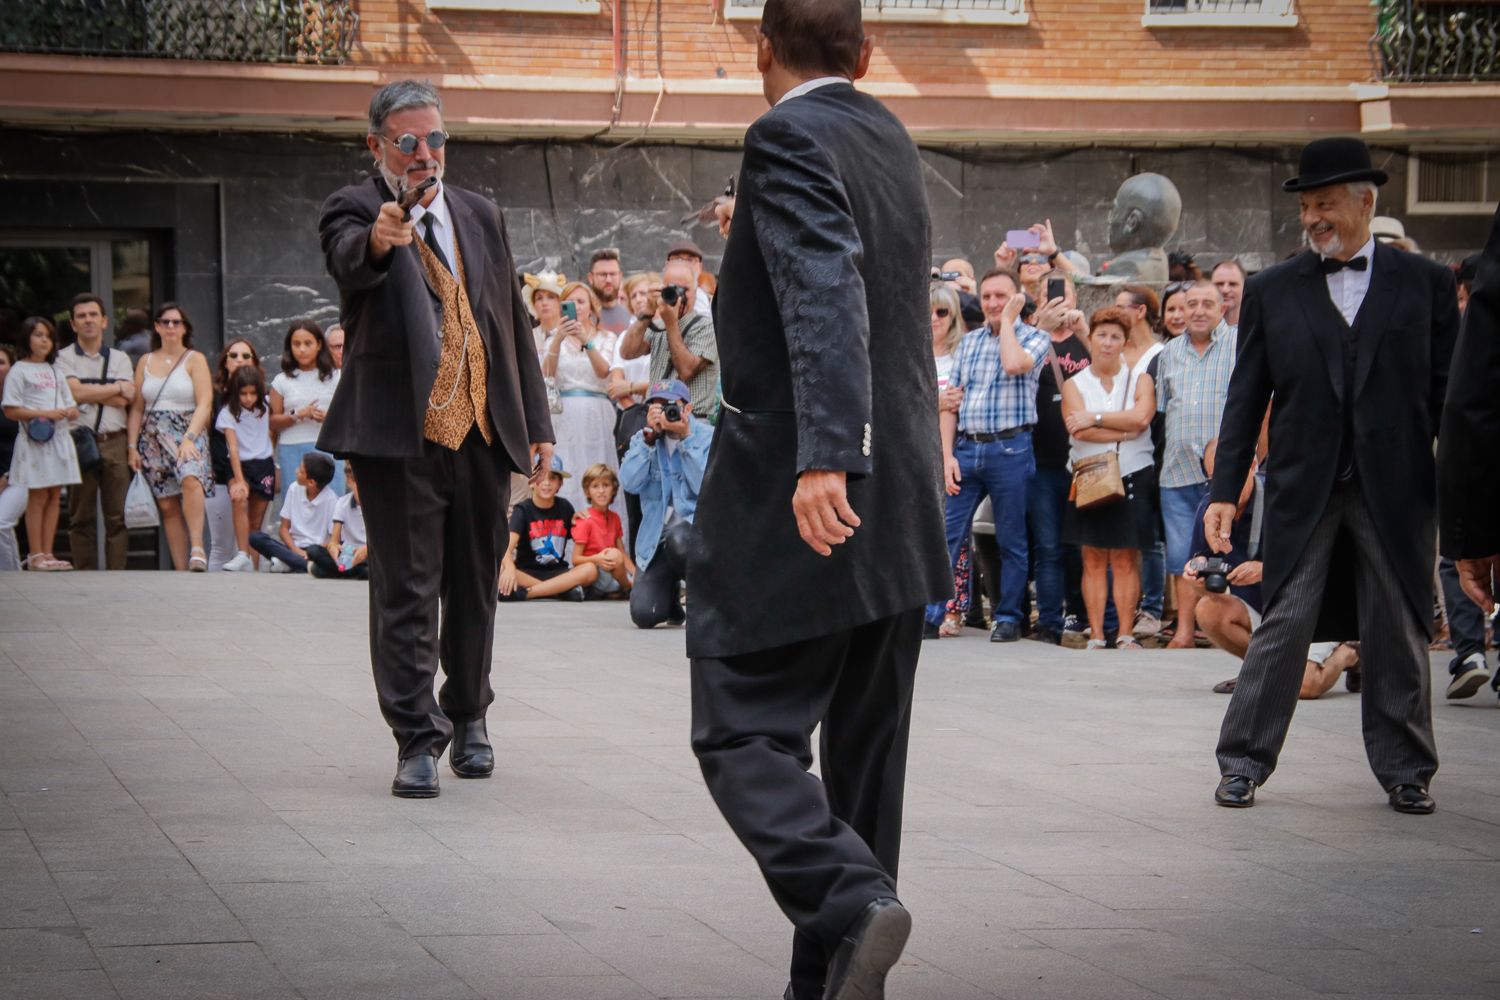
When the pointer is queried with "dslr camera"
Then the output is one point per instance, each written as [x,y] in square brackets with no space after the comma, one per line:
[671,410]
[1215,574]
[673,294]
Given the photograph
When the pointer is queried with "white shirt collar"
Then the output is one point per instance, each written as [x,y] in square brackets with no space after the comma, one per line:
[1366,251]
[809,86]
[438,210]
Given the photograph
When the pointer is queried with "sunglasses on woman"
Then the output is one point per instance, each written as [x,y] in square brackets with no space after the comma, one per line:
[941,313]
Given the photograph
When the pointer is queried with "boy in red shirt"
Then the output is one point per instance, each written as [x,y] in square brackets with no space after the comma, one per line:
[599,537]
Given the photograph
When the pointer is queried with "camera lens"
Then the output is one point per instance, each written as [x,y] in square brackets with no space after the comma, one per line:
[672,412]
[669,295]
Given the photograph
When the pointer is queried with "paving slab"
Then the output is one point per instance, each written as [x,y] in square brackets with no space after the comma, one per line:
[201,810]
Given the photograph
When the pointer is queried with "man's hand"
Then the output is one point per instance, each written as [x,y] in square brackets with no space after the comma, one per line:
[681,428]
[1246,574]
[541,461]
[949,400]
[1218,522]
[656,418]
[668,314]
[618,389]
[389,231]
[127,391]
[952,476]
[724,212]
[1051,315]
[1477,578]
[1013,307]
[821,504]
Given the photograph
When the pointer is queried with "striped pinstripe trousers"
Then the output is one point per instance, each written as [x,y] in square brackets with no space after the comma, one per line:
[1396,693]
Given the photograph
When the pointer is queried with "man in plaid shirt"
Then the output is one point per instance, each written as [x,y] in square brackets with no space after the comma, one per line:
[1192,385]
[987,443]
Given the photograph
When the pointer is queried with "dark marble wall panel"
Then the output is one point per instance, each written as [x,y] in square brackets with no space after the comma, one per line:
[237,213]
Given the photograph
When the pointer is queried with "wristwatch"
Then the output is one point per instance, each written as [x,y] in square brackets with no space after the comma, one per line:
[1098,420]
[1053,256]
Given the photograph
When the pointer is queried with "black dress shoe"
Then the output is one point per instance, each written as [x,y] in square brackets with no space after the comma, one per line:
[930,631]
[1005,632]
[1048,636]
[416,777]
[470,754]
[1235,791]
[1412,799]
[869,948]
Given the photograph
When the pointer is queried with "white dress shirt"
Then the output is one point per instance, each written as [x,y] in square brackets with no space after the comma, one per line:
[442,226]
[1347,288]
[810,86]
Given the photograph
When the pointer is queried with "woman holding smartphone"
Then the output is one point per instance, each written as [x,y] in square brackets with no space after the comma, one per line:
[576,357]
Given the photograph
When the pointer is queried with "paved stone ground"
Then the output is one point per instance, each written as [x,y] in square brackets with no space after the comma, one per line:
[195,805]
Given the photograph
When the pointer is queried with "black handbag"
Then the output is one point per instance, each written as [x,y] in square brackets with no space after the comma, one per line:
[86,439]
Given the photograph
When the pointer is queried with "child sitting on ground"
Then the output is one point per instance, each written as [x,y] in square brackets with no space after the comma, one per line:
[306,516]
[539,568]
[599,537]
[345,555]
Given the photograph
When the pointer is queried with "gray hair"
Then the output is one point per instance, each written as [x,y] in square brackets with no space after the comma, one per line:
[399,95]
[1357,190]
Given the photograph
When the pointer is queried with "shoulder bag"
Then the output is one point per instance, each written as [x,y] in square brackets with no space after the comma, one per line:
[86,439]
[1096,478]
[41,429]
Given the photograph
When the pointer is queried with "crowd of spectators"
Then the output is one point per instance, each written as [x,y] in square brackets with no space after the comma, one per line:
[1029,389]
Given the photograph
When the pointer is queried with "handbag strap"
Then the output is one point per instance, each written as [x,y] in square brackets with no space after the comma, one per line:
[180,358]
[1057,375]
[103,375]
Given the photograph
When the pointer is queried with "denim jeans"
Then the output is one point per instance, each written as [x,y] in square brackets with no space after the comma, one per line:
[1154,579]
[1046,503]
[1179,508]
[1001,470]
[1465,620]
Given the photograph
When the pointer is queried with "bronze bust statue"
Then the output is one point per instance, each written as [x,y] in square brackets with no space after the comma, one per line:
[1145,215]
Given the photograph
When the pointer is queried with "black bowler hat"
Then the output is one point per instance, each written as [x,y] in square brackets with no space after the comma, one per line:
[1340,160]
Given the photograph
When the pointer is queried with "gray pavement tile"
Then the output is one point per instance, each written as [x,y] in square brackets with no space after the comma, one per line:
[194,972]
[17,855]
[486,962]
[354,956]
[44,949]
[565,988]
[31,901]
[136,908]
[259,903]
[146,849]
[78,984]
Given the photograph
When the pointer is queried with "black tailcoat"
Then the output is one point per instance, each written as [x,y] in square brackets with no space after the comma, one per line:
[1468,477]
[392,318]
[825,347]
[1291,355]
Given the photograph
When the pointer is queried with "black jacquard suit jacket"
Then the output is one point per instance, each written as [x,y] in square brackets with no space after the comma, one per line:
[392,317]
[825,348]
[1290,356]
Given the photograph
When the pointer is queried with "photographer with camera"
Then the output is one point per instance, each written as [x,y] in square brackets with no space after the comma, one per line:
[1229,597]
[664,466]
[681,342]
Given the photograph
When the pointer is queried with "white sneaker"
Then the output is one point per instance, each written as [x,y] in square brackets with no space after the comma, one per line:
[277,566]
[239,564]
[1146,625]
[1471,675]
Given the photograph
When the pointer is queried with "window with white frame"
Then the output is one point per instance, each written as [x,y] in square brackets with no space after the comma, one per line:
[915,11]
[520,6]
[1452,182]
[1219,14]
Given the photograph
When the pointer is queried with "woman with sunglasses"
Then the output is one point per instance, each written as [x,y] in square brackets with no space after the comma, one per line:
[168,433]
[947,331]
[221,539]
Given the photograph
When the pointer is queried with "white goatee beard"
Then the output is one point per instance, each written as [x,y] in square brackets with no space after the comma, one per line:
[1332,248]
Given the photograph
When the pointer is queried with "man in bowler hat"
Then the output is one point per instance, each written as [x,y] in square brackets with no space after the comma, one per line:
[1352,338]
[819,526]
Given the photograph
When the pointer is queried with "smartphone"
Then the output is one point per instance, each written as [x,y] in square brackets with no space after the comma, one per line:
[1023,239]
[570,309]
[950,275]
[1057,288]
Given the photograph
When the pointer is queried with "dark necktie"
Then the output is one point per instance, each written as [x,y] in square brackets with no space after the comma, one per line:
[430,238]
[1329,265]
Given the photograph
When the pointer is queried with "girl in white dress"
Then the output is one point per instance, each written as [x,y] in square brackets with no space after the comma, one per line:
[577,356]
[44,462]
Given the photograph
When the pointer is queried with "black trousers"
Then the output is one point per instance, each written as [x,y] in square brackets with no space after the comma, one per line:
[657,594]
[434,525]
[829,847]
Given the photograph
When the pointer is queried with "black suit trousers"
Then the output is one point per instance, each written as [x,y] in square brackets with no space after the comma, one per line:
[829,847]
[434,524]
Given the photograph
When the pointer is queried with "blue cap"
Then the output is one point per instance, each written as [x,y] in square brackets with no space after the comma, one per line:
[557,466]
[669,389]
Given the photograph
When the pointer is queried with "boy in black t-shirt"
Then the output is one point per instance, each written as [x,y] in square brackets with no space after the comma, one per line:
[536,560]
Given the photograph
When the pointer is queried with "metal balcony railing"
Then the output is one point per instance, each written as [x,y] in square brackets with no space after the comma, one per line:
[1420,41]
[1214,6]
[259,31]
[995,6]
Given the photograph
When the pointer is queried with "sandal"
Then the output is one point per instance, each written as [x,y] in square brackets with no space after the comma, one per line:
[48,563]
[1127,642]
[198,560]
[951,627]
[1096,644]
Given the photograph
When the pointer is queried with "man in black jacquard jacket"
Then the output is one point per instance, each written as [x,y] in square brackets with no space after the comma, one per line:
[820,526]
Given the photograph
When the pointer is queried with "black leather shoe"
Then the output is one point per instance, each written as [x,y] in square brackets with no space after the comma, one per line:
[416,777]
[1412,799]
[869,948]
[470,754]
[1005,632]
[1048,636]
[1235,791]
[930,631]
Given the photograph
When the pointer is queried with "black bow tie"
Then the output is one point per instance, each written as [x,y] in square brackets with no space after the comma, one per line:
[1329,265]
